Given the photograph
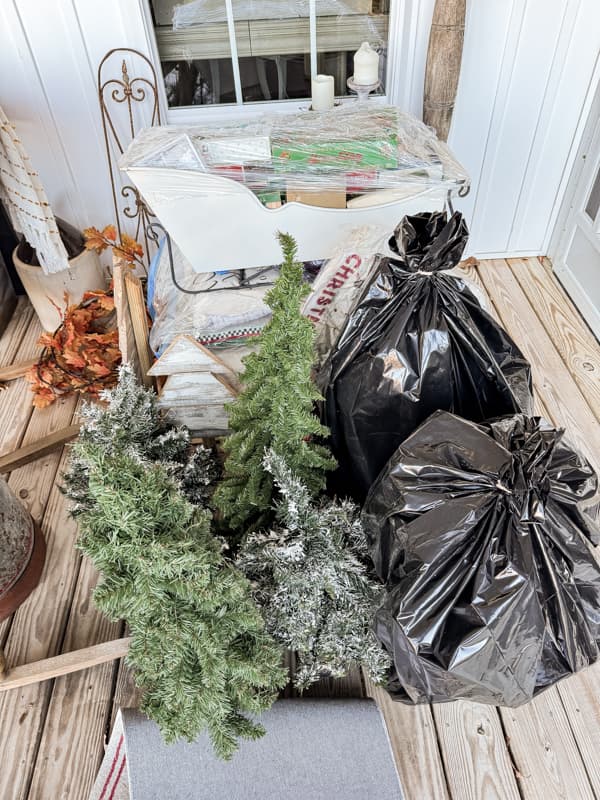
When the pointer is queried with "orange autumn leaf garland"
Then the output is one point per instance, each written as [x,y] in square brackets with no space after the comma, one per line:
[83,354]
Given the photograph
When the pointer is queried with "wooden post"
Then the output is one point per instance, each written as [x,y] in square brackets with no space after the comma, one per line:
[63,664]
[444,56]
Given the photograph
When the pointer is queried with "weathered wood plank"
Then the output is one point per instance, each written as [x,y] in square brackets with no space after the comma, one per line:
[127,694]
[567,330]
[415,746]
[16,370]
[186,354]
[33,483]
[348,686]
[16,398]
[580,696]
[139,321]
[20,322]
[64,664]
[475,754]
[551,376]
[38,449]
[546,743]
[542,745]
[80,703]
[36,633]
[545,751]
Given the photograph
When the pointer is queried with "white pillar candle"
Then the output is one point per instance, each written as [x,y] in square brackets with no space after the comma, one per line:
[366,65]
[322,92]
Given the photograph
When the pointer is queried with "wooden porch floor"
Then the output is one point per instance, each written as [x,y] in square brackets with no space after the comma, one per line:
[52,734]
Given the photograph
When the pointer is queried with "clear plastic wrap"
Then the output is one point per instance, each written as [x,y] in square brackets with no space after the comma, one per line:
[221,315]
[352,149]
[203,12]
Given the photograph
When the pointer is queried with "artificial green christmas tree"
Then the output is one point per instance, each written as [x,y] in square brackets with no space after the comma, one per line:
[200,650]
[276,407]
[309,577]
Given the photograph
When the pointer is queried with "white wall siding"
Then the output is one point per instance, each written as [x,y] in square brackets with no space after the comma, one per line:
[527,70]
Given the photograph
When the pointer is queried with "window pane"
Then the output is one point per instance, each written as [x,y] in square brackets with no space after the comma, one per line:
[273,44]
[593,203]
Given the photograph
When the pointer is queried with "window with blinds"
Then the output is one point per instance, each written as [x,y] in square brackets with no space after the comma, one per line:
[245,51]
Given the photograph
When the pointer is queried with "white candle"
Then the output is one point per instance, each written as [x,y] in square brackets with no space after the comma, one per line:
[322,92]
[366,65]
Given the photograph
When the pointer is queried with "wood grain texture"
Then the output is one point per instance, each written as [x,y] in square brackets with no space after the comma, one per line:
[127,344]
[545,751]
[16,370]
[139,321]
[186,354]
[37,449]
[567,330]
[19,324]
[36,633]
[477,761]
[552,378]
[348,686]
[16,399]
[64,664]
[413,738]
[127,694]
[80,703]
[580,696]
[444,57]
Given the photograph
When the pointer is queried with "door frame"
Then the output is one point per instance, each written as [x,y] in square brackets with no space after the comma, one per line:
[575,197]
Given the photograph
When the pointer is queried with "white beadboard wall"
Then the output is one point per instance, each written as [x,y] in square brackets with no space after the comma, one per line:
[525,81]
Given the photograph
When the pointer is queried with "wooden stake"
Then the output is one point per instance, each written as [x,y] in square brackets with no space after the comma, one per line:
[64,664]
[31,452]
[16,370]
[139,321]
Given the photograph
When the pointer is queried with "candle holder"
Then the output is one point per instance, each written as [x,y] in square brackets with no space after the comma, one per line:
[363,90]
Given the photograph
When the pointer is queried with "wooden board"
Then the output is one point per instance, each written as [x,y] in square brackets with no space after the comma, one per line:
[139,322]
[195,389]
[570,335]
[415,746]
[127,343]
[64,664]
[207,421]
[36,633]
[79,703]
[543,747]
[38,449]
[552,378]
[186,354]
[477,761]
[16,370]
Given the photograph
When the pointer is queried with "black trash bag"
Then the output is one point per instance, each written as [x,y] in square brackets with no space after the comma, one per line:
[417,341]
[493,592]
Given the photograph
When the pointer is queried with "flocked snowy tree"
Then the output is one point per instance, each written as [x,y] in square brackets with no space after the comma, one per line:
[132,423]
[200,650]
[309,577]
[276,407]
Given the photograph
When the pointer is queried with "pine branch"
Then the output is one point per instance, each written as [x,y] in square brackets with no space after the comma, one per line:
[309,576]
[276,407]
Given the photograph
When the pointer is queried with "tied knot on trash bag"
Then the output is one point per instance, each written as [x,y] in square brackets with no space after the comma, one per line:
[430,242]
[482,538]
[417,340]
[524,481]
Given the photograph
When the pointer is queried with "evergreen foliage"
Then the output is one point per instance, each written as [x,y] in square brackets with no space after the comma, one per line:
[309,578]
[199,649]
[275,408]
[132,423]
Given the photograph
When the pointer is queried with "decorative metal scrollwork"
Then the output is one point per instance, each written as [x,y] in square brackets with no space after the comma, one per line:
[127,92]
